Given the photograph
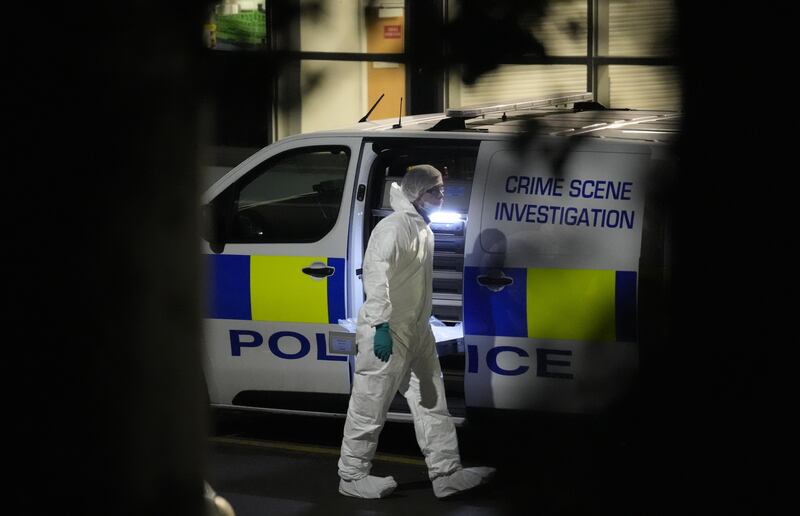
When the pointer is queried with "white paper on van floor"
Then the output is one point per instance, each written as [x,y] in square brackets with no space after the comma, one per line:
[441,332]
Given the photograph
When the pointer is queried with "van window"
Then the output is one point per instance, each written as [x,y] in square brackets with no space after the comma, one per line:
[293,197]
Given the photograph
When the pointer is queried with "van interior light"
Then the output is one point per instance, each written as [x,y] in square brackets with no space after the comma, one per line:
[445,217]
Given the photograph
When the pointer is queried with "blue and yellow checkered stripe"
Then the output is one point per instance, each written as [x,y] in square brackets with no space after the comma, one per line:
[558,304]
[274,288]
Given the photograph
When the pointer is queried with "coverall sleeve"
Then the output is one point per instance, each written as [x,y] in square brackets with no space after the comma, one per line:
[379,261]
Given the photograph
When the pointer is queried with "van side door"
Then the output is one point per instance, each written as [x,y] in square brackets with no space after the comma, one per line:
[551,271]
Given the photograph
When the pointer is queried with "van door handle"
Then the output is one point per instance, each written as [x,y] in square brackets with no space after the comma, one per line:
[495,282]
[318,272]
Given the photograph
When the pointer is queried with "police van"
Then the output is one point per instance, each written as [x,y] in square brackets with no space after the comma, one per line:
[551,225]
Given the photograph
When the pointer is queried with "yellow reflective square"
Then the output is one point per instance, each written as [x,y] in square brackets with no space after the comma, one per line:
[569,304]
[280,291]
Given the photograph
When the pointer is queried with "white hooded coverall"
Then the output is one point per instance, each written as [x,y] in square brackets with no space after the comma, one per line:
[397,277]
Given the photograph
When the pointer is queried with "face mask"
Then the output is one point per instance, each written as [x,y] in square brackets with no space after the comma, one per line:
[429,207]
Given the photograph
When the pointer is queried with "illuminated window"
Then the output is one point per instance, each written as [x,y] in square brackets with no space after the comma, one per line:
[645,87]
[236,25]
[514,82]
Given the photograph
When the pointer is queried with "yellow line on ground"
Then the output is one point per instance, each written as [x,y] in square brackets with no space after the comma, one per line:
[323,450]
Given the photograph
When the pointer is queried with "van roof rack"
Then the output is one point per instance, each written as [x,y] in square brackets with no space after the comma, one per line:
[456,116]
[518,105]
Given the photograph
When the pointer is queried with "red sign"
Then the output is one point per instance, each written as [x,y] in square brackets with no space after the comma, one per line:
[392,31]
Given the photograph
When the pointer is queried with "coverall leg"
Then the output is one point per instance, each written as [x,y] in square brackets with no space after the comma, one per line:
[374,386]
[423,389]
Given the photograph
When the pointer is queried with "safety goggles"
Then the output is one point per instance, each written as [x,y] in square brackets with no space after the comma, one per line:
[436,190]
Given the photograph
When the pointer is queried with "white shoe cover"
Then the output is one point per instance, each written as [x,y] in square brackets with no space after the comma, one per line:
[368,487]
[461,480]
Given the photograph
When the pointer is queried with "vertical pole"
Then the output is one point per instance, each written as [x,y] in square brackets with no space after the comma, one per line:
[590,47]
[424,52]
[286,38]
[601,83]
[103,277]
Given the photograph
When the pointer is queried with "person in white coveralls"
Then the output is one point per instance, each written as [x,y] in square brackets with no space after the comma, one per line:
[397,350]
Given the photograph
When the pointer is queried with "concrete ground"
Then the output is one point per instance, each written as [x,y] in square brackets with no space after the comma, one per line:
[280,465]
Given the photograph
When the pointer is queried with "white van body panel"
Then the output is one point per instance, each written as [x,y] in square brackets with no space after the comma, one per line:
[593,377]
[290,358]
[564,237]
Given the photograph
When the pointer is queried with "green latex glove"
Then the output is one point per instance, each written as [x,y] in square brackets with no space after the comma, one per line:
[382,347]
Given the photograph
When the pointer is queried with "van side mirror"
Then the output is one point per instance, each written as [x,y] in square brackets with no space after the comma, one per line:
[212,228]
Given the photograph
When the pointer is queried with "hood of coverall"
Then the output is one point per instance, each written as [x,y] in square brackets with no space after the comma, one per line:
[399,201]
[418,179]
